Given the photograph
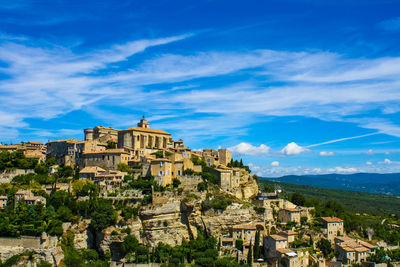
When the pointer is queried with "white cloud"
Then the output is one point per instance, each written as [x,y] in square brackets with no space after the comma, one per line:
[370,152]
[326,153]
[368,163]
[343,170]
[390,24]
[47,82]
[249,150]
[275,163]
[293,149]
[387,161]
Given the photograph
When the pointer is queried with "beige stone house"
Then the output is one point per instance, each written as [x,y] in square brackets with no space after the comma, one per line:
[289,235]
[161,169]
[333,227]
[352,250]
[107,159]
[28,197]
[289,215]
[65,151]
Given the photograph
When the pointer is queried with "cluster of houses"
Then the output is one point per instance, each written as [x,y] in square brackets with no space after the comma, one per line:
[26,196]
[279,250]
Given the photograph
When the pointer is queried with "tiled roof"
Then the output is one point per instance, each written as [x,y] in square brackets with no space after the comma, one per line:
[3,197]
[292,210]
[290,232]
[278,237]
[147,130]
[92,169]
[331,219]
[247,226]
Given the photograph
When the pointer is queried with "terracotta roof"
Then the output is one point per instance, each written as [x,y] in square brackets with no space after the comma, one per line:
[292,210]
[331,219]
[278,237]
[71,140]
[362,249]
[35,143]
[290,232]
[366,244]
[92,169]
[348,249]
[159,159]
[3,197]
[247,226]
[146,130]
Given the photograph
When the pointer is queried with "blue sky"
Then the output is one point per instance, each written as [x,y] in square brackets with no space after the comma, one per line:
[290,86]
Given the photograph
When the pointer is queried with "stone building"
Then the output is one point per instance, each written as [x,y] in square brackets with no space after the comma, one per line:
[101,134]
[289,235]
[28,197]
[352,250]
[246,232]
[333,227]
[141,139]
[65,151]
[107,159]
[216,157]
[289,215]
[272,243]
[161,169]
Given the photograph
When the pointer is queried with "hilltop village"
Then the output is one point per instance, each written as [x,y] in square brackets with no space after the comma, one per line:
[124,197]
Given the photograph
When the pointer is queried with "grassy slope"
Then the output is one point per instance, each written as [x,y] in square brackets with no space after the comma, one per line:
[353,201]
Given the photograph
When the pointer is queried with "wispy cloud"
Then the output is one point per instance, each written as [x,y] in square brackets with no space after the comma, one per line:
[48,81]
[341,139]
[390,24]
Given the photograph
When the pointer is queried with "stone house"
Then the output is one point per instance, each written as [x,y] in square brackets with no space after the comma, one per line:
[161,169]
[272,243]
[65,151]
[245,232]
[352,250]
[59,186]
[101,134]
[28,197]
[333,227]
[3,201]
[90,172]
[107,159]
[289,215]
[289,235]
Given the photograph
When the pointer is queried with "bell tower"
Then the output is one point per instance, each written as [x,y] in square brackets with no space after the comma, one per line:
[143,123]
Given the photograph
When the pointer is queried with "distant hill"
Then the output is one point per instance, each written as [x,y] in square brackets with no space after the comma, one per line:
[357,202]
[364,182]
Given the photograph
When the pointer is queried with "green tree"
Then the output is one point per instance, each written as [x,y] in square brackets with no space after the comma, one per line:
[129,244]
[239,244]
[257,246]
[250,255]
[298,199]
[325,246]
[176,182]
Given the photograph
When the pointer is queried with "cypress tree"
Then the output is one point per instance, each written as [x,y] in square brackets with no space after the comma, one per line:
[257,246]
[250,255]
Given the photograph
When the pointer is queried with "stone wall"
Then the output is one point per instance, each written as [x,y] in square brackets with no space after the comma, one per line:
[7,175]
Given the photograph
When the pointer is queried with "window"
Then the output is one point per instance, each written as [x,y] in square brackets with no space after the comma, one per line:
[160,173]
[161,163]
[179,165]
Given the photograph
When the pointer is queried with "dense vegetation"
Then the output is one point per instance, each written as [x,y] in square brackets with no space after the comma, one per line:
[360,202]
[17,159]
[340,203]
